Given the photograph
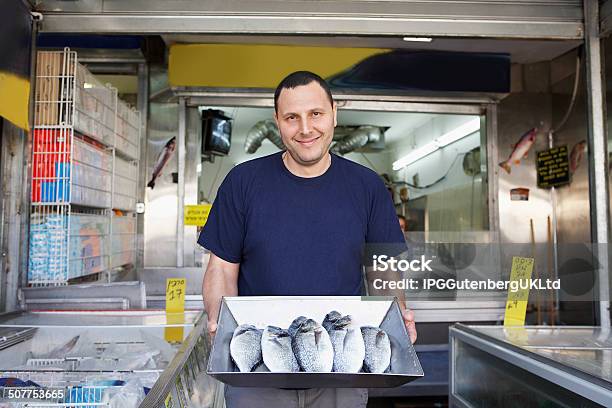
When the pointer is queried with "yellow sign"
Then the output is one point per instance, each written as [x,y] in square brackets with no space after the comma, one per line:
[168,401]
[175,308]
[516,304]
[197,214]
[256,65]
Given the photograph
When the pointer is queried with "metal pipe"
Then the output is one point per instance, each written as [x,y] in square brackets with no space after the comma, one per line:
[358,138]
[491,143]
[180,235]
[598,156]
[143,107]
[265,129]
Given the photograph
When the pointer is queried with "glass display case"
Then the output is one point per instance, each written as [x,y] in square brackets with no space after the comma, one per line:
[530,366]
[105,359]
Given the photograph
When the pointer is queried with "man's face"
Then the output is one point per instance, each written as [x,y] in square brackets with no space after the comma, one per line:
[306,120]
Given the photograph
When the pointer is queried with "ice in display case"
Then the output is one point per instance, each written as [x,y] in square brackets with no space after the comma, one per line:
[527,367]
[106,359]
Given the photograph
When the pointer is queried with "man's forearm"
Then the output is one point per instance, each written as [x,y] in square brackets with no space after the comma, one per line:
[216,285]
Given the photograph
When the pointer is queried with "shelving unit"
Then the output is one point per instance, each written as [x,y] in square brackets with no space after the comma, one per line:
[84,174]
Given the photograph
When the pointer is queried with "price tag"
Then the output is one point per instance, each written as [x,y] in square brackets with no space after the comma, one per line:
[175,308]
[516,304]
[175,295]
[168,402]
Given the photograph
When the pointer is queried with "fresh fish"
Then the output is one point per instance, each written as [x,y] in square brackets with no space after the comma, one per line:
[576,155]
[295,325]
[347,342]
[276,350]
[245,347]
[520,150]
[61,351]
[377,350]
[161,161]
[312,346]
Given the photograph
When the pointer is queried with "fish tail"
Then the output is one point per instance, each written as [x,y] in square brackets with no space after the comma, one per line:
[151,184]
[504,165]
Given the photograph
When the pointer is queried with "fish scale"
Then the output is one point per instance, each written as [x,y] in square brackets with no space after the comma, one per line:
[277,351]
[347,342]
[245,347]
[377,350]
[312,346]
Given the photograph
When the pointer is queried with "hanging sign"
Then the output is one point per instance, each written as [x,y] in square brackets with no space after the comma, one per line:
[175,308]
[553,167]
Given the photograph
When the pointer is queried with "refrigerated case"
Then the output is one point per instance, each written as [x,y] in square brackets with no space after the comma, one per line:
[530,366]
[106,359]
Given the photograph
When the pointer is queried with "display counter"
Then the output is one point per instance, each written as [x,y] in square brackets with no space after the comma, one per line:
[530,366]
[106,359]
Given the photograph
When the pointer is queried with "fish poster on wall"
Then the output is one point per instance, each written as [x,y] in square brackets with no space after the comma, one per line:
[520,151]
[576,155]
[164,156]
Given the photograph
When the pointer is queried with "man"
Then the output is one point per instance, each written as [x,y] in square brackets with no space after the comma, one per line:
[295,223]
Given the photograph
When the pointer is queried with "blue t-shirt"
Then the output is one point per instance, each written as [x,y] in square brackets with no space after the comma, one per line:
[299,236]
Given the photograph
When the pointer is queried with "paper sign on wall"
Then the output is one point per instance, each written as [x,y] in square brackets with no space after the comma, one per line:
[197,214]
[516,304]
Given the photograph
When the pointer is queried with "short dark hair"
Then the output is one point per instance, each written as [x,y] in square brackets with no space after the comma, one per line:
[301,78]
[401,217]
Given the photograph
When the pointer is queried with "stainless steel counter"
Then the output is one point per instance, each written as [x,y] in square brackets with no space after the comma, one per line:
[563,366]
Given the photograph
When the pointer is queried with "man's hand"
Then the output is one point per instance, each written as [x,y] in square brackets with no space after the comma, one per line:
[220,279]
[408,316]
[212,329]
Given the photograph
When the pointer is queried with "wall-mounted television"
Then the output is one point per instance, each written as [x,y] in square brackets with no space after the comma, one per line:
[216,133]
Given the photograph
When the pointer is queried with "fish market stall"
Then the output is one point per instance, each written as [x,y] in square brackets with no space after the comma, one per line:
[107,359]
[561,366]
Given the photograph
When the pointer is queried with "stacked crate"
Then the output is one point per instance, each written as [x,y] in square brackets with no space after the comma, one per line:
[80,156]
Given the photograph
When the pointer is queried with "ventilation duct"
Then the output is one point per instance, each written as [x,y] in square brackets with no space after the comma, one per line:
[265,129]
[346,138]
[357,139]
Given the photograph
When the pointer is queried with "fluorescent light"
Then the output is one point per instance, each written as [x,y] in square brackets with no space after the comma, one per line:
[418,39]
[450,137]
[415,155]
[458,133]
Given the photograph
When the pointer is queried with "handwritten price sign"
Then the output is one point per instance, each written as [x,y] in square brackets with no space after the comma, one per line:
[175,308]
[516,304]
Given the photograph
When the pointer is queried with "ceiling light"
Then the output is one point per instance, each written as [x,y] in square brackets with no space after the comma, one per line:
[460,132]
[418,39]
[415,155]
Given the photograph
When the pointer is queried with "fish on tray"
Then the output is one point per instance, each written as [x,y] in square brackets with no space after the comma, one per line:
[245,347]
[338,345]
[276,350]
[347,342]
[311,346]
[161,161]
[377,350]
[520,150]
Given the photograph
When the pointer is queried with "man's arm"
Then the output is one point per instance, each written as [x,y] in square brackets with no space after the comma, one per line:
[220,279]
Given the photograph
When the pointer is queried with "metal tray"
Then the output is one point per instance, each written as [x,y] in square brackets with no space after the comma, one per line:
[280,311]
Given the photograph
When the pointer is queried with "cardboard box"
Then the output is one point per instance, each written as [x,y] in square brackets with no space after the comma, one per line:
[48,88]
